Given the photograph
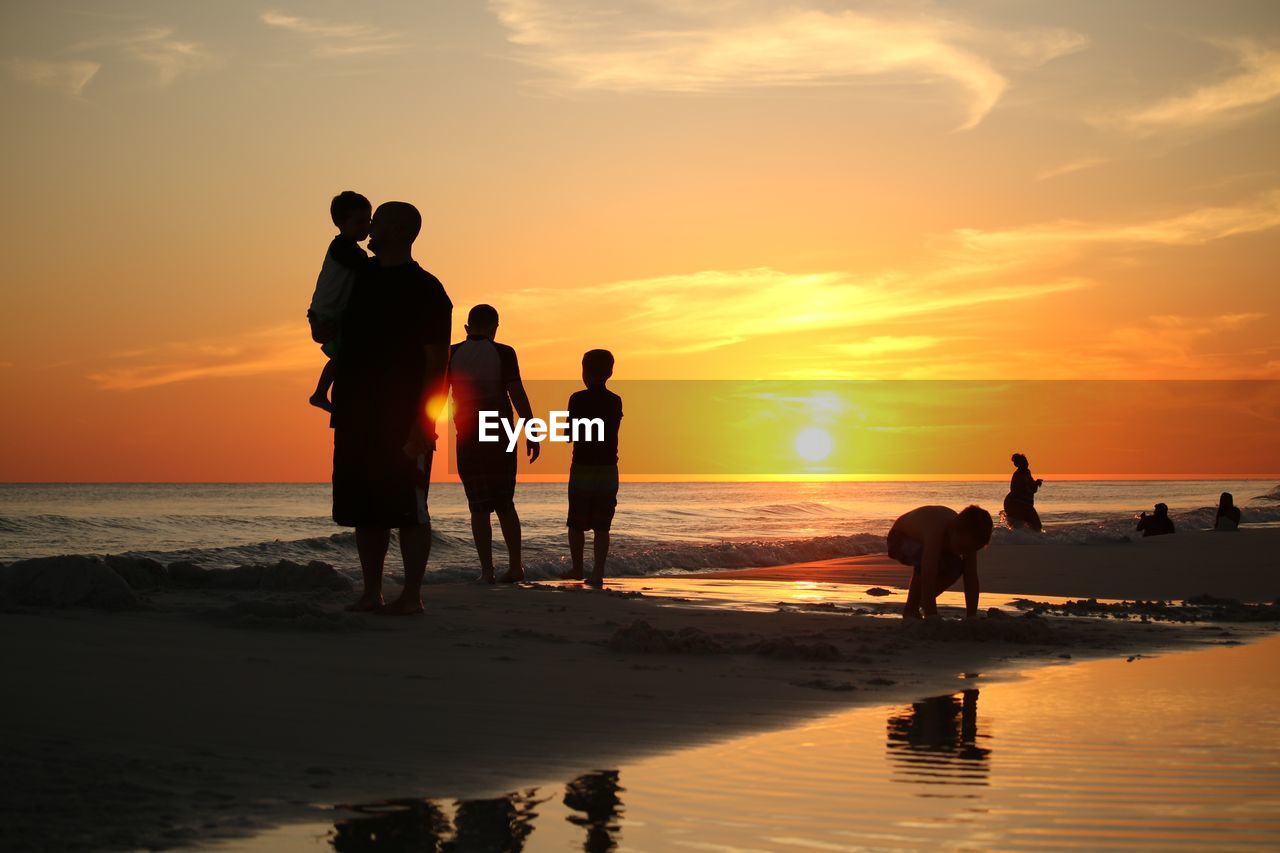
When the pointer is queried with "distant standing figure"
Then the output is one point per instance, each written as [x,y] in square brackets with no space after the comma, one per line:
[395,346]
[1020,503]
[1158,524]
[343,260]
[485,376]
[940,545]
[593,474]
[1228,517]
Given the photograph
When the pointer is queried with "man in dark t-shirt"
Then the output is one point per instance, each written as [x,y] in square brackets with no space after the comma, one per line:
[395,349]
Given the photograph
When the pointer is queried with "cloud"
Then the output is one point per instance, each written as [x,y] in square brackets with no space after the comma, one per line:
[1068,168]
[658,46]
[67,76]
[1190,228]
[156,48]
[165,55]
[329,39]
[1256,84]
[279,349]
[707,310]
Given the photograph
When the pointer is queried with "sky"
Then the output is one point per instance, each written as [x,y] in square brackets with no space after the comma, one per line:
[983,190]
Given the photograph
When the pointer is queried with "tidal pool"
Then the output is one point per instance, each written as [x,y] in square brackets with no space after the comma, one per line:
[1179,751]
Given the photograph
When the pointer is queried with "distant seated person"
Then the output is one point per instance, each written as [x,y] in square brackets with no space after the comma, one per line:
[1159,524]
[1228,518]
[940,545]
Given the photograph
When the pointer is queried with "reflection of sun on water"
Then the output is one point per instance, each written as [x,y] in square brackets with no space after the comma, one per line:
[813,444]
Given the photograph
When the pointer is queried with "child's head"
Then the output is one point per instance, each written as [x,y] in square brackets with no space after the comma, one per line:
[482,321]
[971,530]
[597,366]
[351,212]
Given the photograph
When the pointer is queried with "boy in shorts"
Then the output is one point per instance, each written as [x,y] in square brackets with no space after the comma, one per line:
[941,545]
[593,474]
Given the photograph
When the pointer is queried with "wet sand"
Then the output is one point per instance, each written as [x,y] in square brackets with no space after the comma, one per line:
[214,713]
[1244,565]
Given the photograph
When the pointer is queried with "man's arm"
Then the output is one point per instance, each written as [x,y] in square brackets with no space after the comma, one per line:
[422,435]
[520,402]
[971,584]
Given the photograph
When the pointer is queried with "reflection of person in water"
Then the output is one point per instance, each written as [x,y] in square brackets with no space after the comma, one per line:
[402,825]
[946,729]
[595,797]
[499,824]
[1228,517]
[1159,524]
[1020,503]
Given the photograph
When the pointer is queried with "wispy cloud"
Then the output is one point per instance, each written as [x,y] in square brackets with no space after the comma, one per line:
[332,39]
[1069,167]
[1190,228]
[278,349]
[727,307]
[671,47]
[1256,83]
[66,76]
[1169,346]
[164,55]
[168,57]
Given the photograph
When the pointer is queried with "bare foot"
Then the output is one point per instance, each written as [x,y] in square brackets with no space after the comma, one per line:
[571,575]
[513,576]
[403,606]
[596,581]
[365,604]
[320,401]
[487,577]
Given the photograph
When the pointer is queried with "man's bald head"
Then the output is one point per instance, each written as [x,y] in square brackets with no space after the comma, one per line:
[395,225]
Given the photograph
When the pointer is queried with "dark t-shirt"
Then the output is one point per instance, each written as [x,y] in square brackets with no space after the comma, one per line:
[393,313]
[597,402]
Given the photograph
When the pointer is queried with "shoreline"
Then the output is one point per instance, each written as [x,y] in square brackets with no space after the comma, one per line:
[210,714]
[1243,565]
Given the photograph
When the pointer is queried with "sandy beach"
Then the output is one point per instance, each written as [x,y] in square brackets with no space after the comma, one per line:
[211,712]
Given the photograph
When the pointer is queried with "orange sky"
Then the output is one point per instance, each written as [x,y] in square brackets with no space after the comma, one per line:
[821,190]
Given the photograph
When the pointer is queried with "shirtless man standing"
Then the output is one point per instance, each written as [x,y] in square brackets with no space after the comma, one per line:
[940,544]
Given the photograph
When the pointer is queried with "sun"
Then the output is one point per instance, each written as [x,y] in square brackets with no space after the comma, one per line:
[814,444]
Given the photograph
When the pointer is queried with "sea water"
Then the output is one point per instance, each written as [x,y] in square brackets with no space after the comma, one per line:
[659,527]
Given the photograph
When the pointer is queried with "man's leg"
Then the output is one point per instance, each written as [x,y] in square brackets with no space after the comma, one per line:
[482,533]
[601,552]
[509,520]
[371,545]
[415,549]
[577,544]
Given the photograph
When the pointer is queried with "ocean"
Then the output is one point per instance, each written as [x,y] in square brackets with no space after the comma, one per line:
[660,528]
